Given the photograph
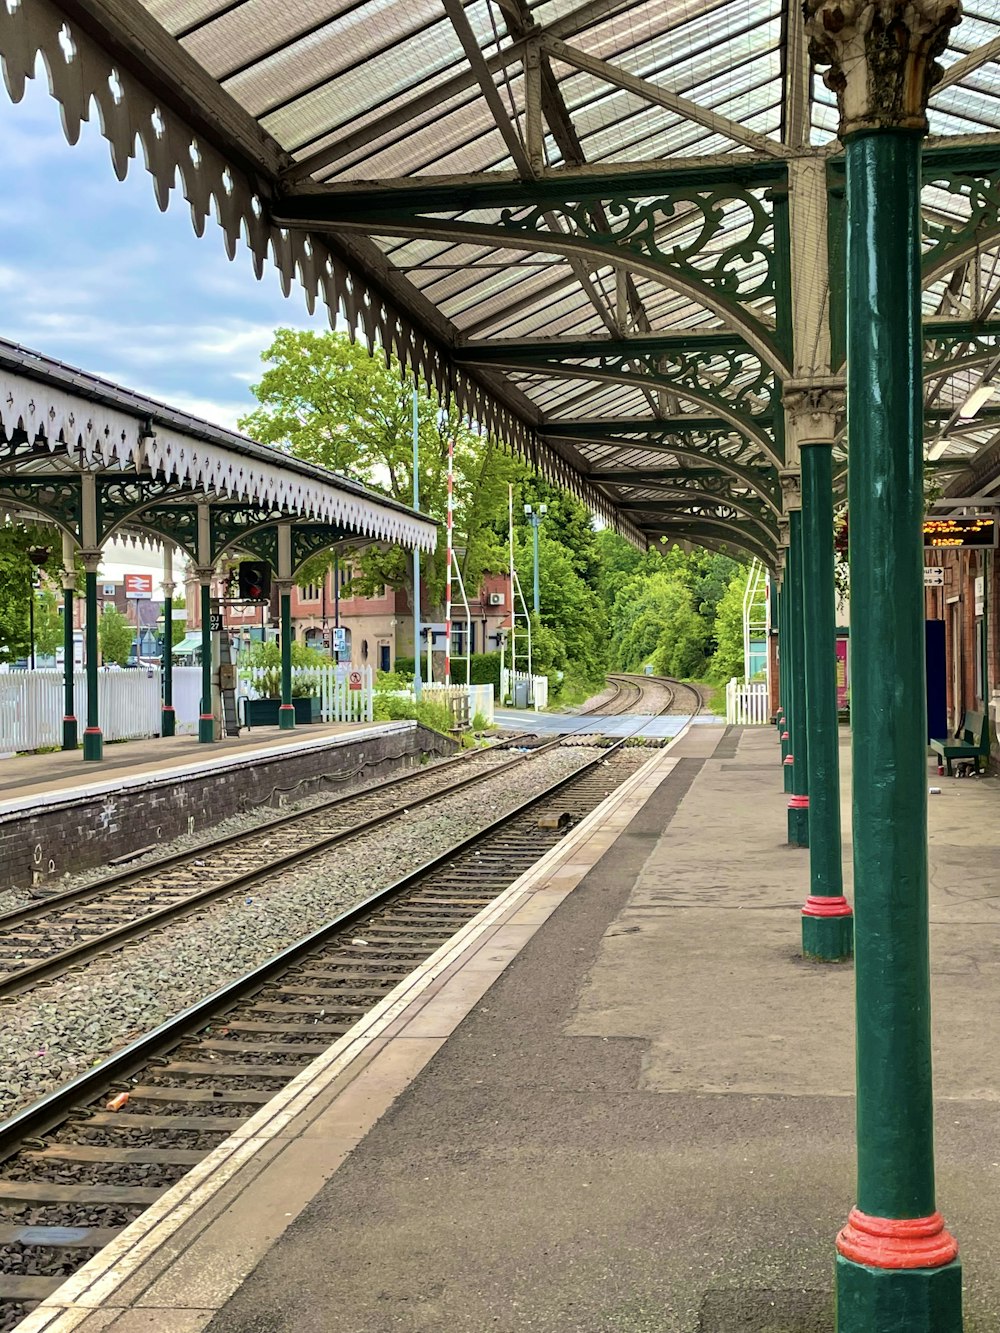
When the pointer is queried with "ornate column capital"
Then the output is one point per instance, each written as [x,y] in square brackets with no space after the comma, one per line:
[791,497]
[814,412]
[882,57]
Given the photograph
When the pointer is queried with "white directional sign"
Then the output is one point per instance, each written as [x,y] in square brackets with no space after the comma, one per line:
[933,576]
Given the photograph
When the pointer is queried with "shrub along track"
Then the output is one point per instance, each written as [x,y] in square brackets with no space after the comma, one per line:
[75,1172]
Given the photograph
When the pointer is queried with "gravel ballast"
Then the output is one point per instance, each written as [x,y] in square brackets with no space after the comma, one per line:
[50,1034]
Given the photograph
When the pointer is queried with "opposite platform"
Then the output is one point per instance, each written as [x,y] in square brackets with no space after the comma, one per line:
[619,1102]
[58,813]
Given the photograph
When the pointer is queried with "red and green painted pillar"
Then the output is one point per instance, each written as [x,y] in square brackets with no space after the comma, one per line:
[798,799]
[897,1269]
[827,920]
[168,718]
[70,738]
[206,715]
[785,654]
[93,738]
[286,710]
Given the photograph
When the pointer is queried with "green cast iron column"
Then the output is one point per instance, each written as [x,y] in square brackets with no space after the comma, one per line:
[93,740]
[827,923]
[896,1265]
[785,666]
[798,800]
[168,718]
[206,718]
[286,713]
[69,728]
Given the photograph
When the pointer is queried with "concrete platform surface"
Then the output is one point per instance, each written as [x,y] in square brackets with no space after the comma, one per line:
[625,1107]
[63,772]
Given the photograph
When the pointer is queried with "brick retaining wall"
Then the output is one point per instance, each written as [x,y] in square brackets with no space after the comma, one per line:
[81,831]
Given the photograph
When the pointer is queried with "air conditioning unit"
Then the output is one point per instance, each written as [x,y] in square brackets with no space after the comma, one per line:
[496,599]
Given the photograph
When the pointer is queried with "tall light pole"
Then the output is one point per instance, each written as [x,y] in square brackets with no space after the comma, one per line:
[534,517]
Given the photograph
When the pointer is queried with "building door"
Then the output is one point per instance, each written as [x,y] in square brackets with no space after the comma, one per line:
[383,656]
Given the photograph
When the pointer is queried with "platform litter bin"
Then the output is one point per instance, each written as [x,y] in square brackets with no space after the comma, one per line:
[520,694]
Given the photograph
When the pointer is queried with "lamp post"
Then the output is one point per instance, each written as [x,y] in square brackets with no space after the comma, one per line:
[534,517]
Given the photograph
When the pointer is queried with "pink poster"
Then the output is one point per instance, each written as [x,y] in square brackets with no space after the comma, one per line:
[841,675]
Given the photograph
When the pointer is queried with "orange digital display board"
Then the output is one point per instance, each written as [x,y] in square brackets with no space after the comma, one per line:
[952,532]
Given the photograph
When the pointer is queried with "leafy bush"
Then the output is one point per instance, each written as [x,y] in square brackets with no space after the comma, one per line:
[394,708]
[392,680]
[485,669]
[266,657]
[405,666]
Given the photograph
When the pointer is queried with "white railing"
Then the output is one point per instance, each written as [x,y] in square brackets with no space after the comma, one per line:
[481,698]
[538,690]
[338,702]
[31,706]
[746,704]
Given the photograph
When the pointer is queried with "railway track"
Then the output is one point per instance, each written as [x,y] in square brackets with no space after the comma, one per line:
[42,939]
[634,693]
[75,1172]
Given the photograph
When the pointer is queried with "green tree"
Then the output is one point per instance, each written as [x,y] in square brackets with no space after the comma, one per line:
[178,623]
[115,635]
[48,623]
[17,571]
[571,633]
[324,399]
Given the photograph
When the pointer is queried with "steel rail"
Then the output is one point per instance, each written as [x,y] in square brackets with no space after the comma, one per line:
[44,1114]
[45,969]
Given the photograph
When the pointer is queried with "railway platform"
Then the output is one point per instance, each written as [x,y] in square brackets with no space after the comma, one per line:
[618,1101]
[54,817]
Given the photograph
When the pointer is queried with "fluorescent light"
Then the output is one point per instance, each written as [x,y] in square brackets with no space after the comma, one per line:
[937,448]
[976,399]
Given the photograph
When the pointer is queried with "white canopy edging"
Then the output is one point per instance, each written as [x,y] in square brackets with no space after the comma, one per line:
[81,75]
[101,435]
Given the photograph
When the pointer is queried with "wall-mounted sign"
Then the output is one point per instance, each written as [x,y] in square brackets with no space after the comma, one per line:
[138,587]
[979,589]
[933,576]
[951,532]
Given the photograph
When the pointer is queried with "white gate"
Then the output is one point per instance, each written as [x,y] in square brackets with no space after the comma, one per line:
[746,705]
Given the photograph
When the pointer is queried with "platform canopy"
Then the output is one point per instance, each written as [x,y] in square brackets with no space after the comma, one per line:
[102,462]
[576,217]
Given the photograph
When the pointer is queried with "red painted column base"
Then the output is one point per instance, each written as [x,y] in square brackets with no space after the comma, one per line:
[815,906]
[789,760]
[798,802]
[893,1242]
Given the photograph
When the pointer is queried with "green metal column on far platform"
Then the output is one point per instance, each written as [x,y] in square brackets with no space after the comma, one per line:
[206,717]
[69,727]
[896,1266]
[827,922]
[798,800]
[785,665]
[93,741]
[168,718]
[286,713]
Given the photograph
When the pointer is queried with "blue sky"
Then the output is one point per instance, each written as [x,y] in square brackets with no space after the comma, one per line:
[91,272]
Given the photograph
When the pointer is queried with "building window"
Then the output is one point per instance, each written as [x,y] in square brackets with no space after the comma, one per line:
[310,593]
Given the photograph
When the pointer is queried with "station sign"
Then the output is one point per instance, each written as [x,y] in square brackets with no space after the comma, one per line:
[933,576]
[339,639]
[946,533]
[138,587]
[215,622]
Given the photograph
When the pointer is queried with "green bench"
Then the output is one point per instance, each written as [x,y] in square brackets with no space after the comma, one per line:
[972,741]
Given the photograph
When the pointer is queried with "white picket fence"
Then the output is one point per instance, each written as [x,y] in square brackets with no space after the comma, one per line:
[480,697]
[539,691]
[746,704]
[31,707]
[337,701]
[31,702]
